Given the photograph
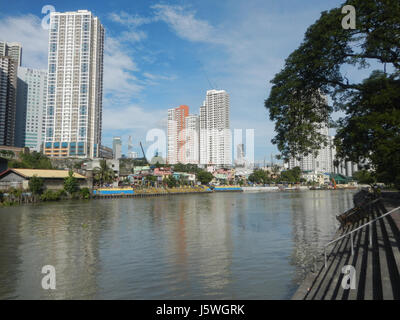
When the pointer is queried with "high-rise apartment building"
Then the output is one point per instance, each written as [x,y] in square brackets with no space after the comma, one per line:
[8,99]
[240,156]
[117,148]
[323,162]
[12,50]
[215,134]
[176,131]
[31,108]
[192,139]
[75,85]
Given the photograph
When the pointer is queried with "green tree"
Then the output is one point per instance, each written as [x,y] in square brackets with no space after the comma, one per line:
[204,177]
[71,184]
[260,176]
[370,127]
[103,174]
[291,175]
[365,177]
[85,193]
[36,185]
[189,168]
[170,181]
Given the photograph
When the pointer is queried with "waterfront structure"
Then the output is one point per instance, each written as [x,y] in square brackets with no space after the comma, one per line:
[117,148]
[31,108]
[8,99]
[52,179]
[75,85]
[215,135]
[380,279]
[12,50]
[176,134]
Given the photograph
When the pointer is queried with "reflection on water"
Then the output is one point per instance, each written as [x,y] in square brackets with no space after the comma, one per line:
[209,246]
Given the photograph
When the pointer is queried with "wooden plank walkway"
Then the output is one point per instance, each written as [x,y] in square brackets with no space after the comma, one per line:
[376,266]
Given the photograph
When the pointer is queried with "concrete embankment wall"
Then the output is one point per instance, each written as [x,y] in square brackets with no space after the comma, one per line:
[269,189]
[260,189]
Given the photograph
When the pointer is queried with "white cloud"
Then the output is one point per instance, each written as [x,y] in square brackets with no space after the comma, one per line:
[158,77]
[129,19]
[131,22]
[184,23]
[133,36]
[27,30]
[119,68]
[132,117]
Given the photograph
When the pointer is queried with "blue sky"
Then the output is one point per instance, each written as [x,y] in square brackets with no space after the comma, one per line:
[160,54]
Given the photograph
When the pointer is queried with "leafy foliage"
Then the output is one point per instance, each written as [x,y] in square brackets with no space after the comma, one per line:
[365,177]
[370,129]
[104,174]
[290,176]
[170,181]
[85,193]
[204,177]
[260,176]
[50,195]
[189,168]
[36,185]
[71,184]
[33,160]
[7,153]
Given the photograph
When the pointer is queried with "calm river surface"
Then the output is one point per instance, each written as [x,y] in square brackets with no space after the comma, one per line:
[206,246]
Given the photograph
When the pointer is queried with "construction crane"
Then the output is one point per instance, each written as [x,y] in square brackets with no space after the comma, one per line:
[144,155]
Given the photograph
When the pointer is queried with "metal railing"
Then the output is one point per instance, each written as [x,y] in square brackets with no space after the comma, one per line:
[356,229]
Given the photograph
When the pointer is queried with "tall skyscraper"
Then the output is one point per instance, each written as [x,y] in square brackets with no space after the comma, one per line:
[12,50]
[176,134]
[240,156]
[75,85]
[31,108]
[192,139]
[215,134]
[323,162]
[8,99]
[117,148]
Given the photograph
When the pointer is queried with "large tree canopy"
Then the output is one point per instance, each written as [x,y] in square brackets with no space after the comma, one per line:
[317,80]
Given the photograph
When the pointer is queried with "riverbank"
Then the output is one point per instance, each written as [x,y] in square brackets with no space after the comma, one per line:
[372,250]
[163,191]
[18,197]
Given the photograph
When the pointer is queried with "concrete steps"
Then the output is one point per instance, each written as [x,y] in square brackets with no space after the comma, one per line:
[376,266]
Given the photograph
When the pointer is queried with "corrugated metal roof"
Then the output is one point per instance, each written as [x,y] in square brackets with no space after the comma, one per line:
[45,173]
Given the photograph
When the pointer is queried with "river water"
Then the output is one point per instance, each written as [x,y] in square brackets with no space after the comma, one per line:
[205,246]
